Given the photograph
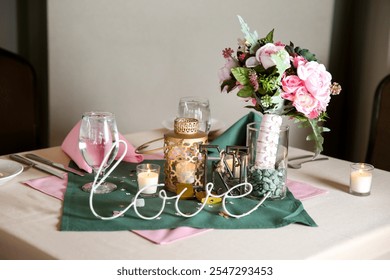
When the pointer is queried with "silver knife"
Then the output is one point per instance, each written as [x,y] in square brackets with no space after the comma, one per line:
[54,164]
[36,166]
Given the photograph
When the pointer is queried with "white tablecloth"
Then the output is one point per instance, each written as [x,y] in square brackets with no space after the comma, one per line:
[349,227]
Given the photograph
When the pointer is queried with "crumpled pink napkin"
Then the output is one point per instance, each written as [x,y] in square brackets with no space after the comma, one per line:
[71,147]
[56,187]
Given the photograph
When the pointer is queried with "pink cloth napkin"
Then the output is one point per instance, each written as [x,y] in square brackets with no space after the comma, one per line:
[166,236]
[303,191]
[50,185]
[56,187]
[71,147]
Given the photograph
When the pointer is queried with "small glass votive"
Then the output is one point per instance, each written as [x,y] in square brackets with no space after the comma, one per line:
[148,175]
[360,179]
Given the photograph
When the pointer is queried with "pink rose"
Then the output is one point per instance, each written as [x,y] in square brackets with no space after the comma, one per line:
[323,102]
[278,43]
[316,79]
[305,103]
[224,72]
[291,83]
[287,95]
[298,60]
[263,55]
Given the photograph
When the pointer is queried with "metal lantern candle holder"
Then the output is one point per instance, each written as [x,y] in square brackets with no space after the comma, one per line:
[184,163]
[231,169]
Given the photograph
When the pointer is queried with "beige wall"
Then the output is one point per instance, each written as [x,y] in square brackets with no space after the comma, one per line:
[136,58]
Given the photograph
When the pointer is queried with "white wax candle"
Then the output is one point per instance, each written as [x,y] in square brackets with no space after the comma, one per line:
[361,181]
[185,172]
[147,179]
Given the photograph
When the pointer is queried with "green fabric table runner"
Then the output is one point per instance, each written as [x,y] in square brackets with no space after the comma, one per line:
[77,215]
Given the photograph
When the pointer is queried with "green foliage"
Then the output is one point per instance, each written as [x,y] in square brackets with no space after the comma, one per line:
[250,37]
[292,50]
[231,84]
[267,39]
[269,84]
[306,54]
[245,91]
[280,65]
[317,130]
[241,74]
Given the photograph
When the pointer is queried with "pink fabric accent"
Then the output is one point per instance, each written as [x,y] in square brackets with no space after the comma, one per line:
[71,147]
[50,185]
[303,191]
[56,187]
[154,156]
[167,236]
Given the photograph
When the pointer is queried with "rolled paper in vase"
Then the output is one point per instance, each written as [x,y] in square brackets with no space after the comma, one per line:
[267,141]
[268,148]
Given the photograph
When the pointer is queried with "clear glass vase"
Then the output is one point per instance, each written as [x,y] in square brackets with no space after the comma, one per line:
[271,177]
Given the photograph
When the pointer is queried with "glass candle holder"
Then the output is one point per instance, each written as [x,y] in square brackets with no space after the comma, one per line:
[147,175]
[360,179]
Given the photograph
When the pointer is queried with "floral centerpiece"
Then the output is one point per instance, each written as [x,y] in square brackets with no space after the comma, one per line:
[278,80]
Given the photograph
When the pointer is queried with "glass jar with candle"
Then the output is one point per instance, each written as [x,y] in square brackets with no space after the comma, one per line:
[147,177]
[360,179]
[183,159]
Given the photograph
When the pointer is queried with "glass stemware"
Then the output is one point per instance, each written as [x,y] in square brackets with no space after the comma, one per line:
[198,108]
[98,133]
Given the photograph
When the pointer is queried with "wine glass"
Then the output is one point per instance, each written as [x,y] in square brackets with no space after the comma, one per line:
[98,133]
[198,108]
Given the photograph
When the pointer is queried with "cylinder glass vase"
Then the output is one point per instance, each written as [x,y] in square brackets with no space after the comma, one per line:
[272,177]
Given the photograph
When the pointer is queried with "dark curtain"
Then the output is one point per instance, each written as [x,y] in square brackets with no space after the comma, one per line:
[32,45]
[349,24]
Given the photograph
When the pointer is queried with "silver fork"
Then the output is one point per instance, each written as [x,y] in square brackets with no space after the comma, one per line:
[299,164]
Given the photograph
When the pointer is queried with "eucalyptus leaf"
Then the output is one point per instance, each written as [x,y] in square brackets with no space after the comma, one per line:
[251,38]
[279,58]
[316,136]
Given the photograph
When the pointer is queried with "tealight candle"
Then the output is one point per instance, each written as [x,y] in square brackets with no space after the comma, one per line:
[147,175]
[185,172]
[361,179]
